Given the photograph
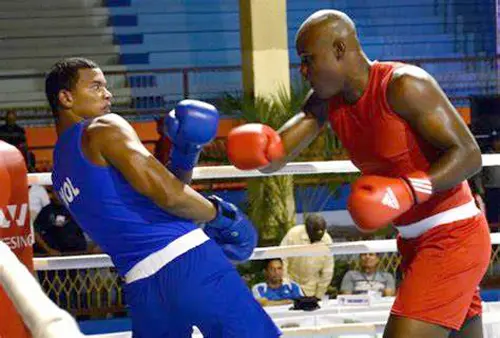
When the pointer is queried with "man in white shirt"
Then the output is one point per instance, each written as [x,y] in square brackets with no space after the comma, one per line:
[313,274]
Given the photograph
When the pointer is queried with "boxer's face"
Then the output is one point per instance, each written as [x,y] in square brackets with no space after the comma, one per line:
[321,62]
[90,97]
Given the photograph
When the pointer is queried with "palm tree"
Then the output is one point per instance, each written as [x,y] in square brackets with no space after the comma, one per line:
[271,204]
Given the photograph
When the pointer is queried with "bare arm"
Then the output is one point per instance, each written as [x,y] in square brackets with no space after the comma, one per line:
[120,147]
[298,132]
[47,248]
[417,98]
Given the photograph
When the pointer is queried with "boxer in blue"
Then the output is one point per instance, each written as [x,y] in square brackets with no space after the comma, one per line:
[146,216]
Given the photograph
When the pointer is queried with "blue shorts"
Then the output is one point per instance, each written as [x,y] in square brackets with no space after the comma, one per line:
[199,288]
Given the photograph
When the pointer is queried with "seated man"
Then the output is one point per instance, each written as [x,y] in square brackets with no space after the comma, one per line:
[368,279]
[56,232]
[276,290]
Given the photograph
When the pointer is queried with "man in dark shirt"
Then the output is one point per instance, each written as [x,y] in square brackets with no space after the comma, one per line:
[11,132]
[56,232]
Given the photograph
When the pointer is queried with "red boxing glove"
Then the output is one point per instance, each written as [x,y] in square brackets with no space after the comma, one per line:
[254,146]
[375,201]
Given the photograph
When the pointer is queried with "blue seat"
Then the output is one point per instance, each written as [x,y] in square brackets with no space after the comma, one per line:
[156,34]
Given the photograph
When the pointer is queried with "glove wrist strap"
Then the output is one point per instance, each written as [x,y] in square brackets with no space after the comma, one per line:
[225,217]
[184,160]
[420,185]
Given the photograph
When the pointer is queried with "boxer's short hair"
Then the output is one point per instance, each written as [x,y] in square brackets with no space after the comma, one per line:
[64,75]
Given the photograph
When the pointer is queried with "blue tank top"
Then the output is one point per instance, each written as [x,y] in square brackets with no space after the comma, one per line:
[127,225]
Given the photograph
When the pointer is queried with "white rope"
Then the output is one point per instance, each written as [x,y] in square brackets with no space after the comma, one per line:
[294,168]
[229,171]
[311,250]
[42,317]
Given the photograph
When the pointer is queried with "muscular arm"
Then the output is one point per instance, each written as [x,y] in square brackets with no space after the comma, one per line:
[417,98]
[298,132]
[120,147]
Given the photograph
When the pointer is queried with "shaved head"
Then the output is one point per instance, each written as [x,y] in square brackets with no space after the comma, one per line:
[328,46]
[330,23]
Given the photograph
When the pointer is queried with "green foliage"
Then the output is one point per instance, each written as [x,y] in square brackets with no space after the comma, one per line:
[252,272]
[273,111]
[271,203]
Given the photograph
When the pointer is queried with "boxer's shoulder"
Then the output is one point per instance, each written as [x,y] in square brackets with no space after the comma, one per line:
[409,88]
[408,76]
[103,135]
[108,127]
[108,121]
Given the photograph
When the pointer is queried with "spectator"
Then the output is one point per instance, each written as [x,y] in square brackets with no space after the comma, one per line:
[369,278]
[56,232]
[38,198]
[30,161]
[13,133]
[276,290]
[313,274]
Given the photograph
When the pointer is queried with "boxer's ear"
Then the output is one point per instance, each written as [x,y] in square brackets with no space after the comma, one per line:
[339,48]
[65,98]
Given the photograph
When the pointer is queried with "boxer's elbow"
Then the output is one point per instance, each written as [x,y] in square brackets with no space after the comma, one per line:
[167,193]
[153,183]
[473,160]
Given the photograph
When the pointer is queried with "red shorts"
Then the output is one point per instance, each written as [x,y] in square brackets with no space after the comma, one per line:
[442,269]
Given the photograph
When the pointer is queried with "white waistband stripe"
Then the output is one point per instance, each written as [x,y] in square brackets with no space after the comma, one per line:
[157,260]
[459,213]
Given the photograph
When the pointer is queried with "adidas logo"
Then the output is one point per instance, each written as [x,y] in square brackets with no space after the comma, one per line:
[390,199]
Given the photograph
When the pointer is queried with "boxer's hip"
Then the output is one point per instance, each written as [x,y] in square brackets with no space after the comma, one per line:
[456,214]
[155,261]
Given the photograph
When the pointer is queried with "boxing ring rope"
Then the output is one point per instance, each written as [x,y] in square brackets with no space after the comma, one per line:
[309,250]
[294,168]
[346,248]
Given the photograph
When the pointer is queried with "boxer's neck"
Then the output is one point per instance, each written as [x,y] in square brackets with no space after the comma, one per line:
[66,120]
[358,79]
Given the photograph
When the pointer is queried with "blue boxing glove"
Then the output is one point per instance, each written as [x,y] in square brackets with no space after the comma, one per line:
[190,125]
[232,230]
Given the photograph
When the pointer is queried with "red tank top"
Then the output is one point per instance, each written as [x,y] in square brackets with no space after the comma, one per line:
[15,231]
[380,142]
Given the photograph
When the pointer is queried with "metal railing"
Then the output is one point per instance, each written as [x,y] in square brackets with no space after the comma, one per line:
[98,292]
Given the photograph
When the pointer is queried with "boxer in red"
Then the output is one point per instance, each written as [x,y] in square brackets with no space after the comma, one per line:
[415,154]
[15,229]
